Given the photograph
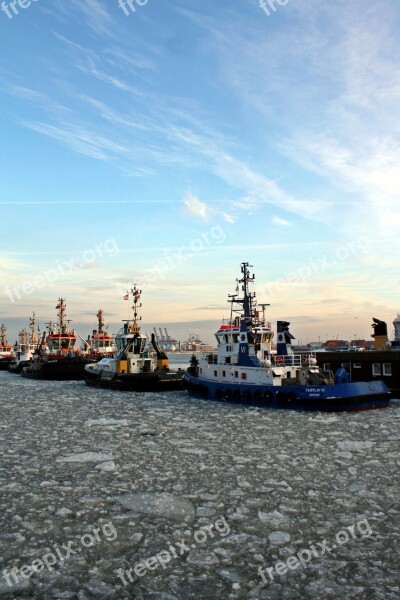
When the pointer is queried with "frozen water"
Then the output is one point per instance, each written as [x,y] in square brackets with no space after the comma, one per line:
[355,446]
[202,558]
[84,457]
[274,519]
[107,422]
[159,505]
[107,466]
[240,488]
[205,511]
[279,538]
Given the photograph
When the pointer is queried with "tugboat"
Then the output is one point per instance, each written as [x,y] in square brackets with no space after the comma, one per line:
[101,344]
[132,367]
[63,362]
[25,348]
[6,350]
[246,369]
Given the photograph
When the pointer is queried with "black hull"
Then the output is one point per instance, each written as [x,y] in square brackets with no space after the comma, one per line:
[365,366]
[18,368]
[140,382]
[65,369]
[5,363]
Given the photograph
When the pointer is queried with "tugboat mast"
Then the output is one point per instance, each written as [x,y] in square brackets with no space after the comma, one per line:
[33,339]
[247,301]
[134,328]
[61,315]
[136,297]
[100,321]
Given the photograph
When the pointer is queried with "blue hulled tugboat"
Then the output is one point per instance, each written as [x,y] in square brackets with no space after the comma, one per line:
[133,367]
[247,369]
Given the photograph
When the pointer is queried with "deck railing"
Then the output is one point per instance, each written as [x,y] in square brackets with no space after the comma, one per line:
[289,360]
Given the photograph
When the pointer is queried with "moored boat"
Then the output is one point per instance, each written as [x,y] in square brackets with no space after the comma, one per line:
[62,361]
[100,343]
[247,369]
[6,350]
[24,348]
[133,367]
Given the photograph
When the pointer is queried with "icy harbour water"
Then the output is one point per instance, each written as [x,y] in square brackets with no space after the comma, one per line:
[162,496]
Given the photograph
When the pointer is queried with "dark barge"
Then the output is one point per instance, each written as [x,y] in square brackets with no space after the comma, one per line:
[381,363]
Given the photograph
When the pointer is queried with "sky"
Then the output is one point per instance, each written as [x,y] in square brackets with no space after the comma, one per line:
[165,142]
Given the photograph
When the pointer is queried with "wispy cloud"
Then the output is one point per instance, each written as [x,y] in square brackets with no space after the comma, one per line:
[342,128]
[195,207]
[94,13]
[142,132]
[24,93]
[112,80]
[79,139]
[280,221]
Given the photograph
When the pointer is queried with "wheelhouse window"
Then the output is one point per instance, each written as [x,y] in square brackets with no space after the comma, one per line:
[139,345]
[376,369]
[120,343]
[356,365]
[387,368]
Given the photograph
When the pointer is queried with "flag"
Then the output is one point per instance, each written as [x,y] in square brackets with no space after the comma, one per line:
[126,297]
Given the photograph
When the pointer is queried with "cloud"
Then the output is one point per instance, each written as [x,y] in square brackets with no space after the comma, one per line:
[210,307]
[94,13]
[24,93]
[228,218]
[279,221]
[195,207]
[79,139]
